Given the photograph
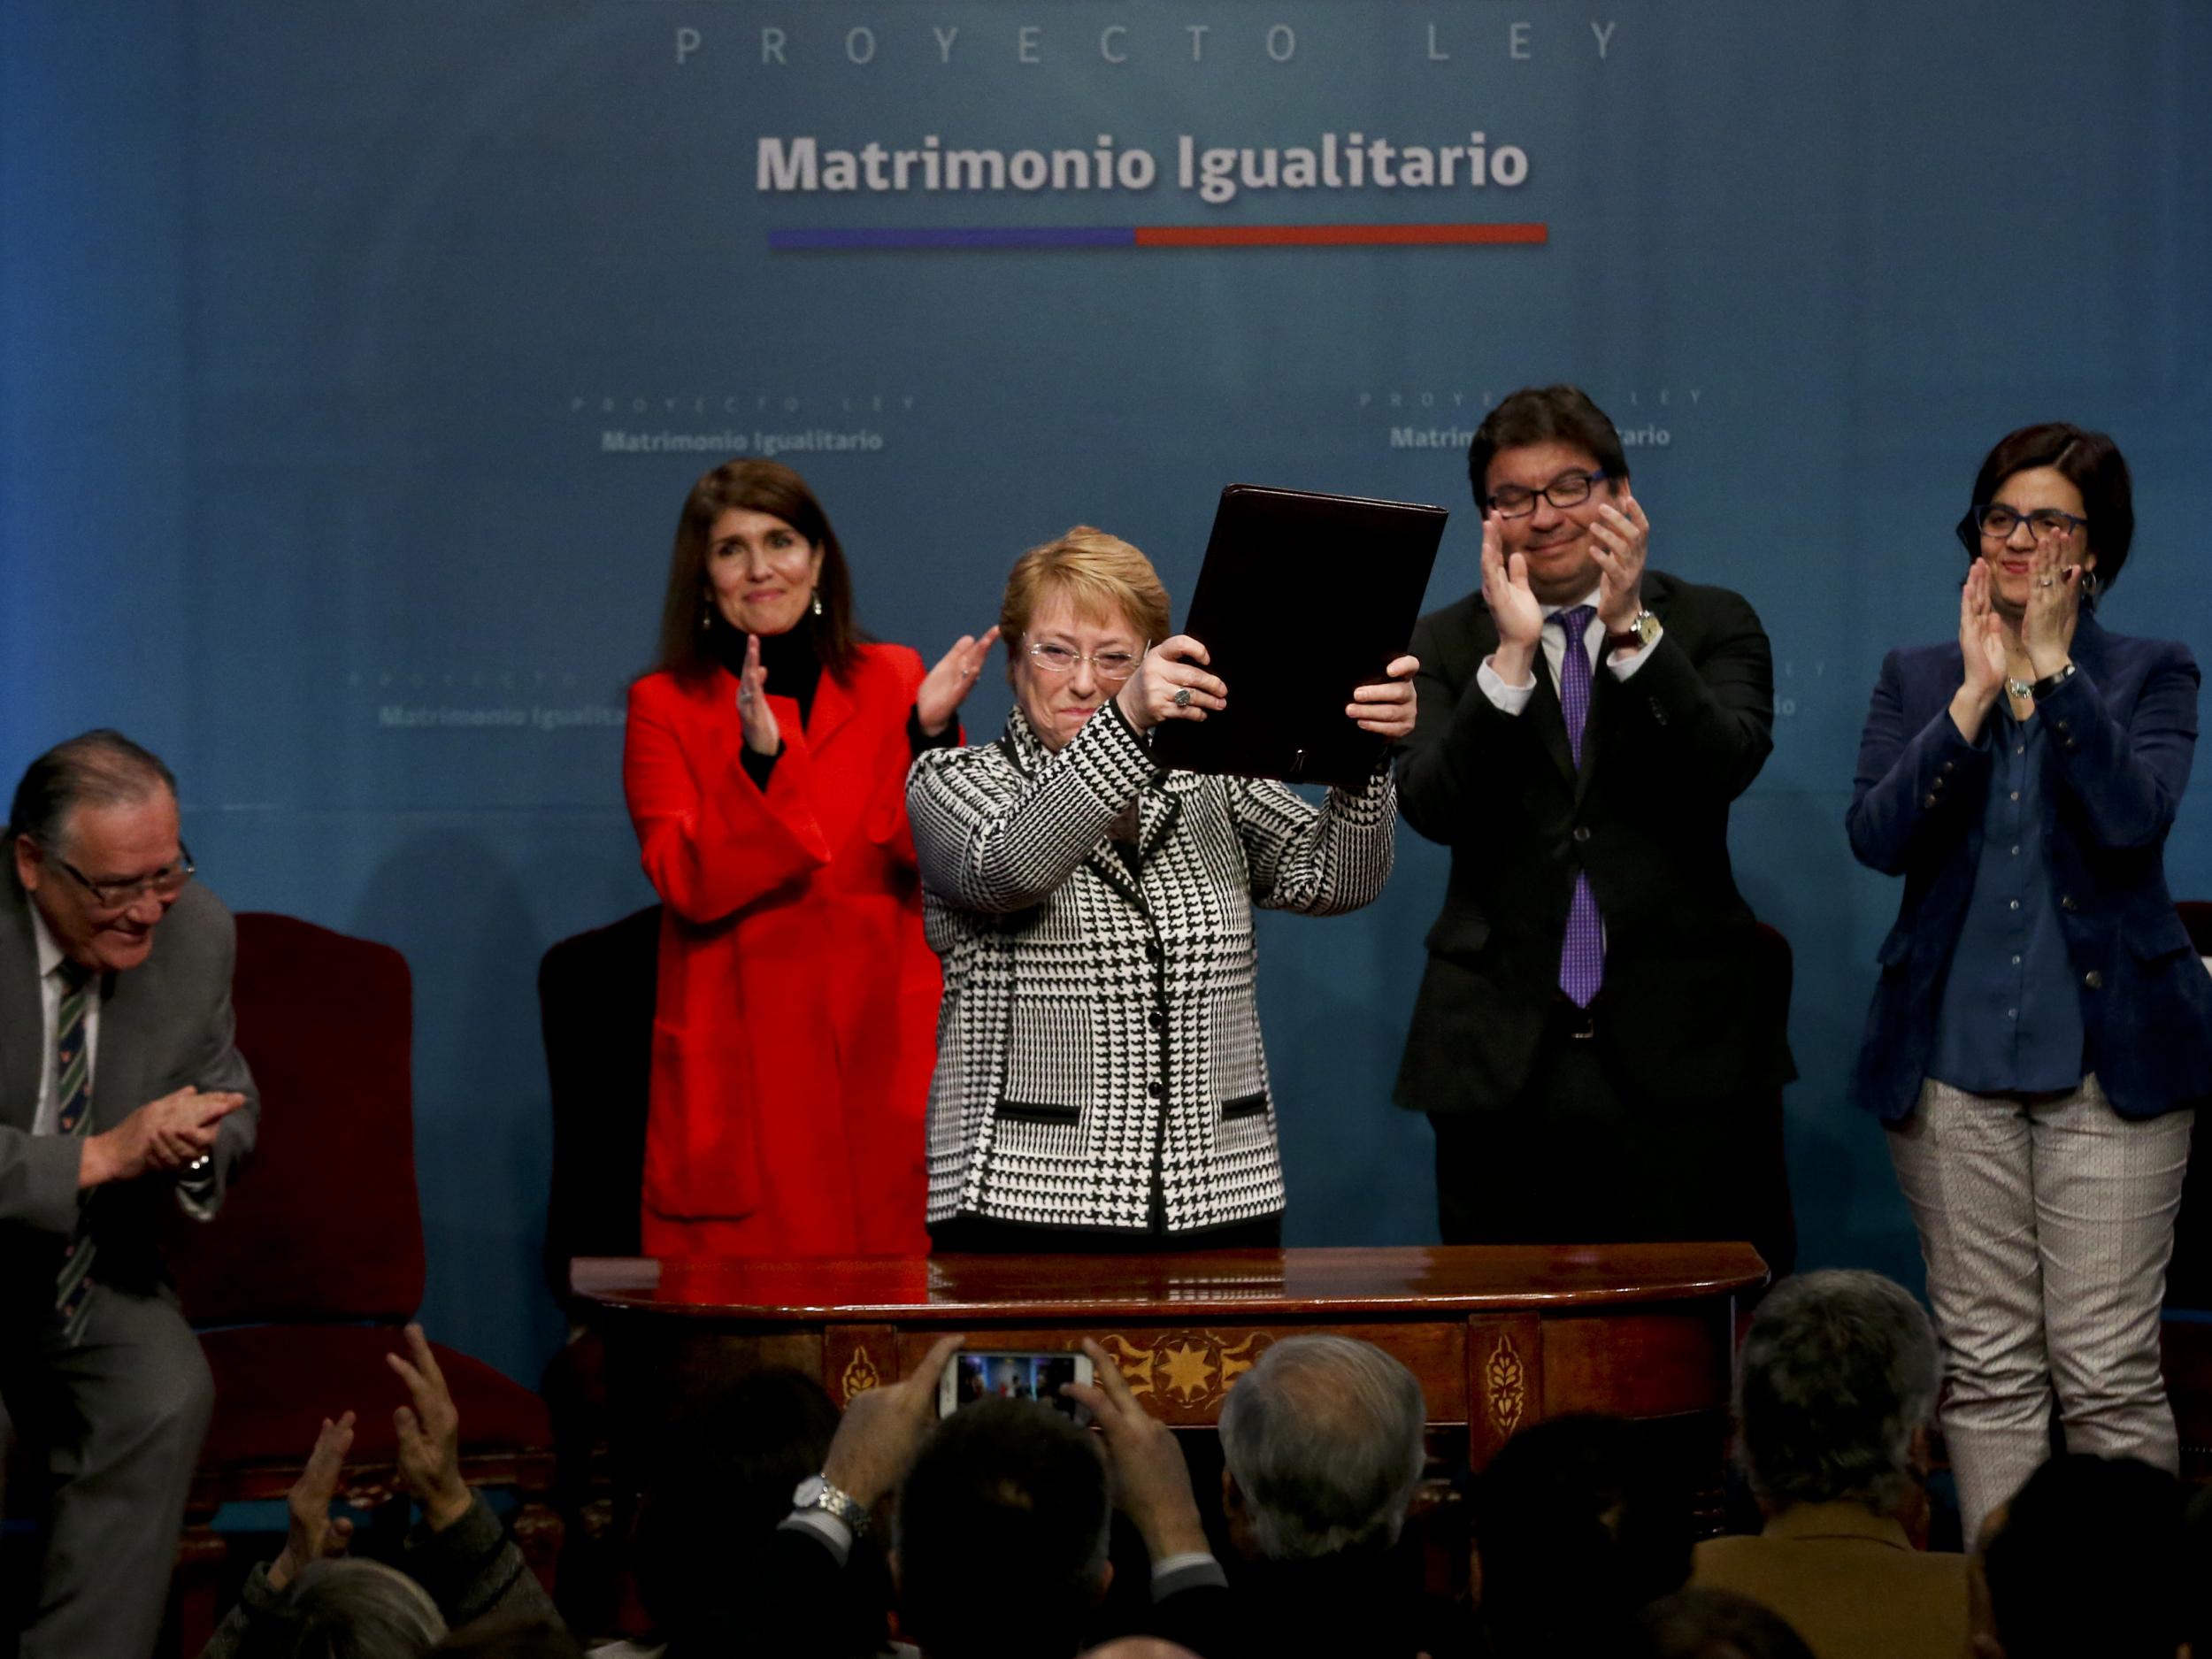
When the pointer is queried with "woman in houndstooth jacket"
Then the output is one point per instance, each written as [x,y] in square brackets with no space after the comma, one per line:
[1099,1081]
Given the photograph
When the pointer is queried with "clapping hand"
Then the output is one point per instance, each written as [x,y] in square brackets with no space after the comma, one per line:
[2046,626]
[939,698]
[1513,608]
[763,736]
[429,1436]
[1619,537]
[311,1534]
[1387,710]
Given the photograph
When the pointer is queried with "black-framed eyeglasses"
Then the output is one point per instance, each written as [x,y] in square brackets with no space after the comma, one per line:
[1569,489]
[165,882]
[1109,665]
[1997,521]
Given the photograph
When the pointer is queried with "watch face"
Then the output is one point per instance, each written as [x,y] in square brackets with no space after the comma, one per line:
[1646,627]
[810,1493]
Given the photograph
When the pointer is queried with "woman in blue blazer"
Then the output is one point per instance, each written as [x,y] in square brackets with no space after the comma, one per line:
[2042,1029]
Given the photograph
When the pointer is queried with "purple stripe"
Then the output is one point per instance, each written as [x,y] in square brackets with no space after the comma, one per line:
[970,236]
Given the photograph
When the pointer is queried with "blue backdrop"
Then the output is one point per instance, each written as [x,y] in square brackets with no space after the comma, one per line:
[357,357]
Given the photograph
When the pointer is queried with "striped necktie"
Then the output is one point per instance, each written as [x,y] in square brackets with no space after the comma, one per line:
[72,1101]
[1582,956]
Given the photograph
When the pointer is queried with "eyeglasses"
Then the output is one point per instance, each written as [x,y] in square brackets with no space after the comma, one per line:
[1111,665]
[1569,489]
[165,882]
[2045,524]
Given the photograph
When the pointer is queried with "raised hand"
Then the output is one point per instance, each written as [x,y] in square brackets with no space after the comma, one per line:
[763,736]
[1513,607]
[1151,1481]
[1619,537]
[883,1430]
[1982,646]
[1387,710]
[311,1533]
[2053,608]
[429,1436]
[939,698]
[1153,693]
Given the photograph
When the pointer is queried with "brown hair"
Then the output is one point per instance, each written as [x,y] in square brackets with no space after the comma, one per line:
[1543,414]
[772,487]
[1104,577]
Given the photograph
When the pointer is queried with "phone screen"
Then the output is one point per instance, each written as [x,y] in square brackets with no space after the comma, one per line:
[1016,1377]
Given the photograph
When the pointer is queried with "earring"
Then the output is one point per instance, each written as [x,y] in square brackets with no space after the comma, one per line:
[817,601]
[2089,587]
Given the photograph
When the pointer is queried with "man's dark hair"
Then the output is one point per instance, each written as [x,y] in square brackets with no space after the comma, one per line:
[99,768]
[1002,1535]
[1543,414]
[725,1480]
[2088,1560]
[1707,1624]
[2088,460]
[1838,1372]
[1578,1522]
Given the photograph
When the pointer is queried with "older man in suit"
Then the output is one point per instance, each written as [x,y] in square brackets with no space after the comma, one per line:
[1594,1030]
[120,1094]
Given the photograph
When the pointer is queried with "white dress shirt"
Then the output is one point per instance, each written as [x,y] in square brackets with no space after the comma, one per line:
[1513,699]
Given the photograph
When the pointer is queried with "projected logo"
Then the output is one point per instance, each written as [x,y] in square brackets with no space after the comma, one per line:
[720,427]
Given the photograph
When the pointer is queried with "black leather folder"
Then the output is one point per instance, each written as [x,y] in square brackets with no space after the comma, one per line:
[1302,597]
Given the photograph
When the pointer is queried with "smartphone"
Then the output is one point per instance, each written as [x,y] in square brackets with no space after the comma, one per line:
[974,1376]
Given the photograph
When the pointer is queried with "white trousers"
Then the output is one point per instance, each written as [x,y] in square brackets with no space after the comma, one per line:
[2046,1227]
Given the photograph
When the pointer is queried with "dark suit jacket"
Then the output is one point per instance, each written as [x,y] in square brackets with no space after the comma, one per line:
[1684,1014]
[163,1025]
[2116,760]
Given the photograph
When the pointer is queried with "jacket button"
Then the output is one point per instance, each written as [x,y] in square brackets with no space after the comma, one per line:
[1154,1020]
[1950,765]
[2093,980]
[1152,950]
[2062,726]
[1928,800]
[1156,1089]
[1582,833]
[2066,902]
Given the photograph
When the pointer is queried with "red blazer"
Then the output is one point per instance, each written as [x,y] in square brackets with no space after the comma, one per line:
[794,1024]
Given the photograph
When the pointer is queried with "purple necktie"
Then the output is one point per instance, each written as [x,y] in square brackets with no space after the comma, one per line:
[1582,959]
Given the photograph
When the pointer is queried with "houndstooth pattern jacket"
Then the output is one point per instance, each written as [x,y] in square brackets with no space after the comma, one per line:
[1099,1042]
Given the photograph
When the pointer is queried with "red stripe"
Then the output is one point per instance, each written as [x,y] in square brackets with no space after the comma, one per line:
[1334,236]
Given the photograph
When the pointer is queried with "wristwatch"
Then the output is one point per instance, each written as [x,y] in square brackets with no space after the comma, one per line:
[815,1493]
[2049,683]
[1642,629]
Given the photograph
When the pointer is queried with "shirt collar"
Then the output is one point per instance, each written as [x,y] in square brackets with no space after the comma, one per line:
[49,951]
[1590,599]
[1840,1519]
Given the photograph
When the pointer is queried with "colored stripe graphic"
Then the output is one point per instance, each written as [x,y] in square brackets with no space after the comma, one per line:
[850,241]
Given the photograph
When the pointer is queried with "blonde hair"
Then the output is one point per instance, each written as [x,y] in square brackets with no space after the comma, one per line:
[1101,575]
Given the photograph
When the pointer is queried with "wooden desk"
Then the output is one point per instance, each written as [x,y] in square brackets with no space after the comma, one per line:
[1500,1337]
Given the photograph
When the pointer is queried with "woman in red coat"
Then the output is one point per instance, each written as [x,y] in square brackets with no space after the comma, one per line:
[764,764]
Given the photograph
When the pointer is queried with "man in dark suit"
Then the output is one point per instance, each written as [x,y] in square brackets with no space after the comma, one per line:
[120,1094]
[1592,1031]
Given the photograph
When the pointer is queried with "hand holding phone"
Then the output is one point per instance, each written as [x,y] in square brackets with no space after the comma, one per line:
[1008,1374]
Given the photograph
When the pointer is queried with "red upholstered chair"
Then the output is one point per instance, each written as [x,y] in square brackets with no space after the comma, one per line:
[300,1285]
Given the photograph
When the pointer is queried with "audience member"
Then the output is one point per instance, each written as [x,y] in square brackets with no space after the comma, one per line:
[2086,1558]
[1323,1448]
[1578,1522]
[1702,1622]
[724,1481]
[457,1557]
[1837,1383]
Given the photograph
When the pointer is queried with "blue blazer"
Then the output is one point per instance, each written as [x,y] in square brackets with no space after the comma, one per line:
[2116,755]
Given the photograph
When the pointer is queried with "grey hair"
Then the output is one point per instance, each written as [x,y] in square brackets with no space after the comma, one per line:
[97,768]
[359,1610]
[1838,1372]
[1324,1436]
